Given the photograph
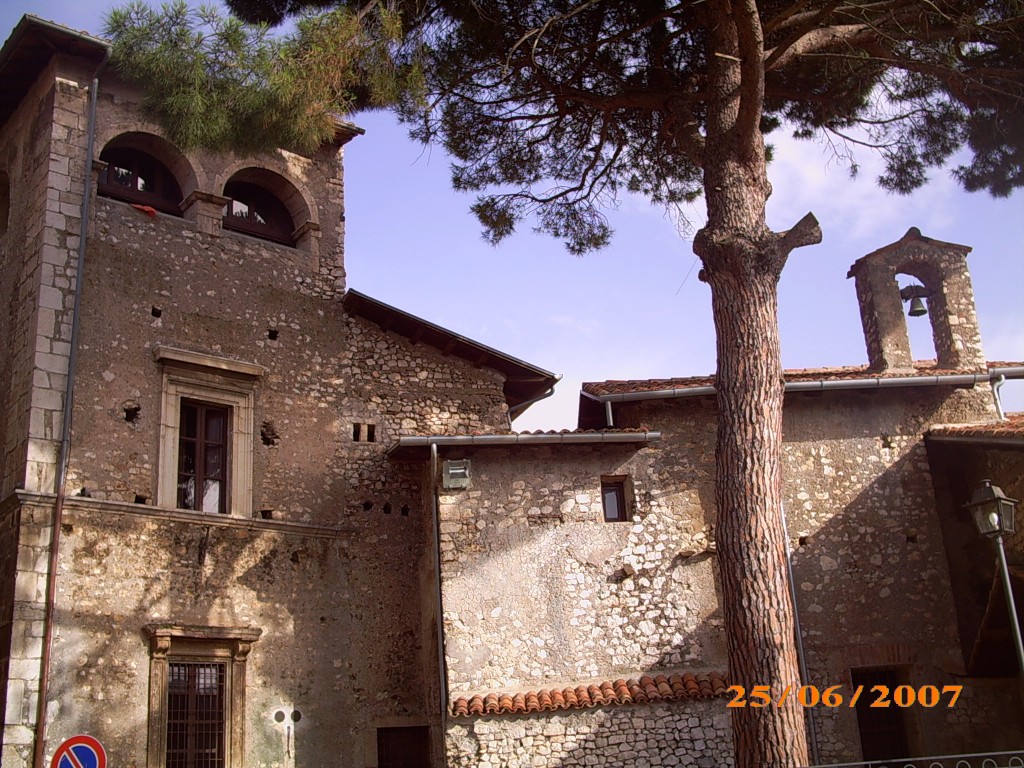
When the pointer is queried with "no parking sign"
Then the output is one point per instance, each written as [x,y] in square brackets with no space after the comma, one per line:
[80,752]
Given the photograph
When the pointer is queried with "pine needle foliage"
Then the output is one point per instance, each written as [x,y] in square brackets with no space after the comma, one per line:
[554,108]
[214,81]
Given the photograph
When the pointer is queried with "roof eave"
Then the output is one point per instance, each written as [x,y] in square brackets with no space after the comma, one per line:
[410,445]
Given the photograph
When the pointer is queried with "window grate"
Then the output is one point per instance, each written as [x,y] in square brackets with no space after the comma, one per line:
[195,715]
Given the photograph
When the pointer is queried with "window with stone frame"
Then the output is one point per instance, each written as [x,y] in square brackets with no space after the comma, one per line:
[616,499]
[197,695]
[206,432]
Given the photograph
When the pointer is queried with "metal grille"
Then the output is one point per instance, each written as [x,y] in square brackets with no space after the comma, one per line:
[195,715]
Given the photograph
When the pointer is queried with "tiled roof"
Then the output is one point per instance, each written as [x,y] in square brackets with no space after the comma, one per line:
[921,368]
[645,690]
[1012,427]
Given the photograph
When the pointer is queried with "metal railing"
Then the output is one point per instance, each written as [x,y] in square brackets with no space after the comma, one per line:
[1011,759]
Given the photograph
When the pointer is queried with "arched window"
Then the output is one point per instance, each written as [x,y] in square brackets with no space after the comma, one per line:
[136,177]
[257,212]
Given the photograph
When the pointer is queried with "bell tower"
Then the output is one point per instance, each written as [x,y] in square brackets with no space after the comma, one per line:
[941,269]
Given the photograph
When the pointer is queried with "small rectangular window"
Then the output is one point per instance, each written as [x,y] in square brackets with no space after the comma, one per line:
[613,499]
[406,747]
[364,433]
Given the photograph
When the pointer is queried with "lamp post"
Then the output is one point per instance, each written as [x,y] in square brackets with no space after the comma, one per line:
[993,514]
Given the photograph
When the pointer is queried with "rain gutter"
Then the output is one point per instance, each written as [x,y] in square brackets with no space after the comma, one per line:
[65,440]
[999,377]
[525,438]
[523,406]
[823,385]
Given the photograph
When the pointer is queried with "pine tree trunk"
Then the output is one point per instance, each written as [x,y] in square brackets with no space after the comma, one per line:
[743,261]
[749,531]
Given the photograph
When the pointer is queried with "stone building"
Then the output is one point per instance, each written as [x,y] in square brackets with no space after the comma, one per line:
[249,516]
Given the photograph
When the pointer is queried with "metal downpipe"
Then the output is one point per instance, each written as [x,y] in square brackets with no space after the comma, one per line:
[997,384]
[523,406]
[442,667]
[65,440]
[812,727]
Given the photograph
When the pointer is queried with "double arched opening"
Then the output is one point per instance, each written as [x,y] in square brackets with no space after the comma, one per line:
[144,169]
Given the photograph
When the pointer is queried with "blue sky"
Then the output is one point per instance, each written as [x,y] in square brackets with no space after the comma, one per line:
[636,309]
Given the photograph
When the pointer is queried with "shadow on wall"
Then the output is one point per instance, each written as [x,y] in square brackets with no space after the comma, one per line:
[325,616]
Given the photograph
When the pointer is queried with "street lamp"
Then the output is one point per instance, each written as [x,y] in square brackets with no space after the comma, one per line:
[993,514]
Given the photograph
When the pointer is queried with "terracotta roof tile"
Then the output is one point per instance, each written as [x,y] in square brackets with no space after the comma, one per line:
[646,689]
[921,368]
[1013,426]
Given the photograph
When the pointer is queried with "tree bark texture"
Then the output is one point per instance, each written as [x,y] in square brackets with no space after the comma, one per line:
[743,261]
[751,544]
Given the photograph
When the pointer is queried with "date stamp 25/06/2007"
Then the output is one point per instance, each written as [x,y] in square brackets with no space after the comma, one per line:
[833,696]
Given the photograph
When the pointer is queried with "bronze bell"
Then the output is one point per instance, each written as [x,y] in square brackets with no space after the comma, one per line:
[917,307]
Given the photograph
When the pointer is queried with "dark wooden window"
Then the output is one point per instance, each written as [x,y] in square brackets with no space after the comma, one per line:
[136,177]
[407,747]
[613,499]
[882,729]
[203,456]
[255,211]
[196,714]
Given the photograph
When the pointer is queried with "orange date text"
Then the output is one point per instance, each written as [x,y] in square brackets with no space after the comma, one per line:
[835,696]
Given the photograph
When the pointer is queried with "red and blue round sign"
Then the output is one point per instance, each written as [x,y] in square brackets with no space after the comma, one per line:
[80,752]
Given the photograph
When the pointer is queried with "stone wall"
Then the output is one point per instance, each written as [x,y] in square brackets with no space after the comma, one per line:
[873,587]
[539,589]
[325,372]
[694,735]
[339,619]
[43,151]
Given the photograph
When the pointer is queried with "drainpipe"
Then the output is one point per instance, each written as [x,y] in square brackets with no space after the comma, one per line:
[609,421]
[65,438]
[997,384]
[800,656]
[441,665]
